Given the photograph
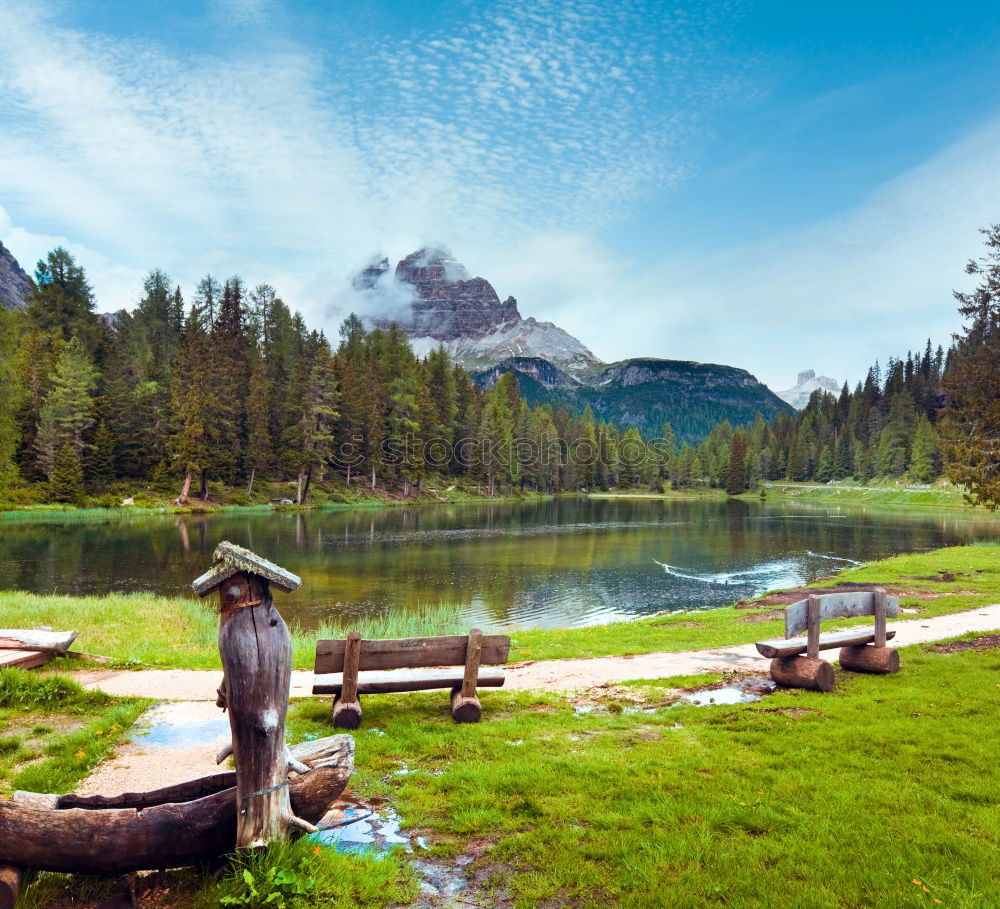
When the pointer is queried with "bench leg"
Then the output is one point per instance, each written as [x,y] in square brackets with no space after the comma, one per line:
[465,709]
[869,658]
[346,714]
[802,672]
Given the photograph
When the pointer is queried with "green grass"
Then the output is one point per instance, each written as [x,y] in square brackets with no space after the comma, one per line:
[878,492]
[142,629]
[53,732]
[842,799]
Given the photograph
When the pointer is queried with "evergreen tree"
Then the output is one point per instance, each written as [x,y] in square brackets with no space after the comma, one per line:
[925,458]
[62,302]
[736,474]
[101,465]
[972,382]
[66,479]
[10,394]
[67,408]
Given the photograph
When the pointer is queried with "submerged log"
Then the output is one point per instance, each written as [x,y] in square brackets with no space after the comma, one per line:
[876,660]
[10,885]
[153,830]
[802,672]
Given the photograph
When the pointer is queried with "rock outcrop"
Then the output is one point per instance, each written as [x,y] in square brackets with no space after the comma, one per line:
[15,285]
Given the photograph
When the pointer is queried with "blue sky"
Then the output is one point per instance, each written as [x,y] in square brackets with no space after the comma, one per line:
[771,185]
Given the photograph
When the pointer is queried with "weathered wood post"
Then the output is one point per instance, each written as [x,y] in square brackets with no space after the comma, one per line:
[874,658]
[256,651]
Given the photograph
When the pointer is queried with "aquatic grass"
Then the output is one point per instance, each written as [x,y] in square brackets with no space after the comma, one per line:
[883,778]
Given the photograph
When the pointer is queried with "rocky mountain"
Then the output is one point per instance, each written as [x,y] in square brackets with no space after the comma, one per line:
[15,284]
[808,382]
[448,306]
[433,298]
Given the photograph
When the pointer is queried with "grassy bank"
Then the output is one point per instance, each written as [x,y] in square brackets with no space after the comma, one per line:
[29,503]
[181,633]
[876,493]
[671,804]
[53,732]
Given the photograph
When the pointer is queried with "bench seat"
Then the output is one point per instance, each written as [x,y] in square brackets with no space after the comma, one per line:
[384,681]
[828,641]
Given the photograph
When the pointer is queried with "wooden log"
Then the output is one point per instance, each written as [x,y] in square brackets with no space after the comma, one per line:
[393,680]
[802,672]
[44,641]
[465,709]
[256,651]
[812,627]
[871,659]
[829,641]
[347,706]
[411,653]
[147,833]
[10,885]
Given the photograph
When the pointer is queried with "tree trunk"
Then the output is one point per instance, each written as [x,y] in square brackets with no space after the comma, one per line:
[305,477]
[203,491]
[256,651]
[373,478]
[348,474]
[159,829]
[253,473]
[871,659]
[185,489]
[802,672]
[406,489]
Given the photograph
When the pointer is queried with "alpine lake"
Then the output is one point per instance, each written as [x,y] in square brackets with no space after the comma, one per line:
[561,562]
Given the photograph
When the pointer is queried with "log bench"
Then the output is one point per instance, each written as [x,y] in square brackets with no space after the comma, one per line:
[796,663]
[352,667]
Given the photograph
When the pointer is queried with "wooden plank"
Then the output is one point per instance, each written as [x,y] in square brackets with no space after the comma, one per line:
[827,641]
[412,653]
[52,641]
[473,656]
[813,620]
[836,606]
[880,610]
[24,659]
[385,681]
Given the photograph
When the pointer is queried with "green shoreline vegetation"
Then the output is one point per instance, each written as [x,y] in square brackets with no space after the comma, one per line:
[143,630]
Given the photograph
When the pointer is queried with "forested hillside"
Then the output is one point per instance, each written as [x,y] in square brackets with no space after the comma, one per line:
[234,389]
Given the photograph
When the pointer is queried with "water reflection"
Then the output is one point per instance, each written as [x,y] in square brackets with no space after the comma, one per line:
[559,563]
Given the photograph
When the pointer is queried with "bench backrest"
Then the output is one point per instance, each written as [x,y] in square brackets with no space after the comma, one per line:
[412,653]
[836,606]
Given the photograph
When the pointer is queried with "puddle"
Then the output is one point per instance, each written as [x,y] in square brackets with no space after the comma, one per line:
[176,725]
[740,693]
[358,827]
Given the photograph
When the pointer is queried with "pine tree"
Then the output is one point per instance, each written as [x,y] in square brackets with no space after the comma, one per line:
[62,302]
[736,475]
[259,451]
[66,480]
[101,464]
[192,407]
[925,457]
[10,394]
[67,408]
[972,381]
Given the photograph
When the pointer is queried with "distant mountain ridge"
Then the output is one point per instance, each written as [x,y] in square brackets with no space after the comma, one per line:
[15,285]
[808,382]
[435,301]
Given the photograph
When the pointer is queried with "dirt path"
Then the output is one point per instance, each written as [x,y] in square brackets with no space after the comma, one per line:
[549,675]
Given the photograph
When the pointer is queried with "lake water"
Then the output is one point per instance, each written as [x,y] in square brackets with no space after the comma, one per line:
[559,563]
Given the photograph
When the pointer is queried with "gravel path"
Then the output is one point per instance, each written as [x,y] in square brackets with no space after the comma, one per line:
[549,675]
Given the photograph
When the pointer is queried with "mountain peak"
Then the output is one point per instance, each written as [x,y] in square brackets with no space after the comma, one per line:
[447,305]
[798,395]
[15,285]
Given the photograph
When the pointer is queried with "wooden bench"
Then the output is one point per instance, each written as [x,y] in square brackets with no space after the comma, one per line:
[352,667]
[796,664]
